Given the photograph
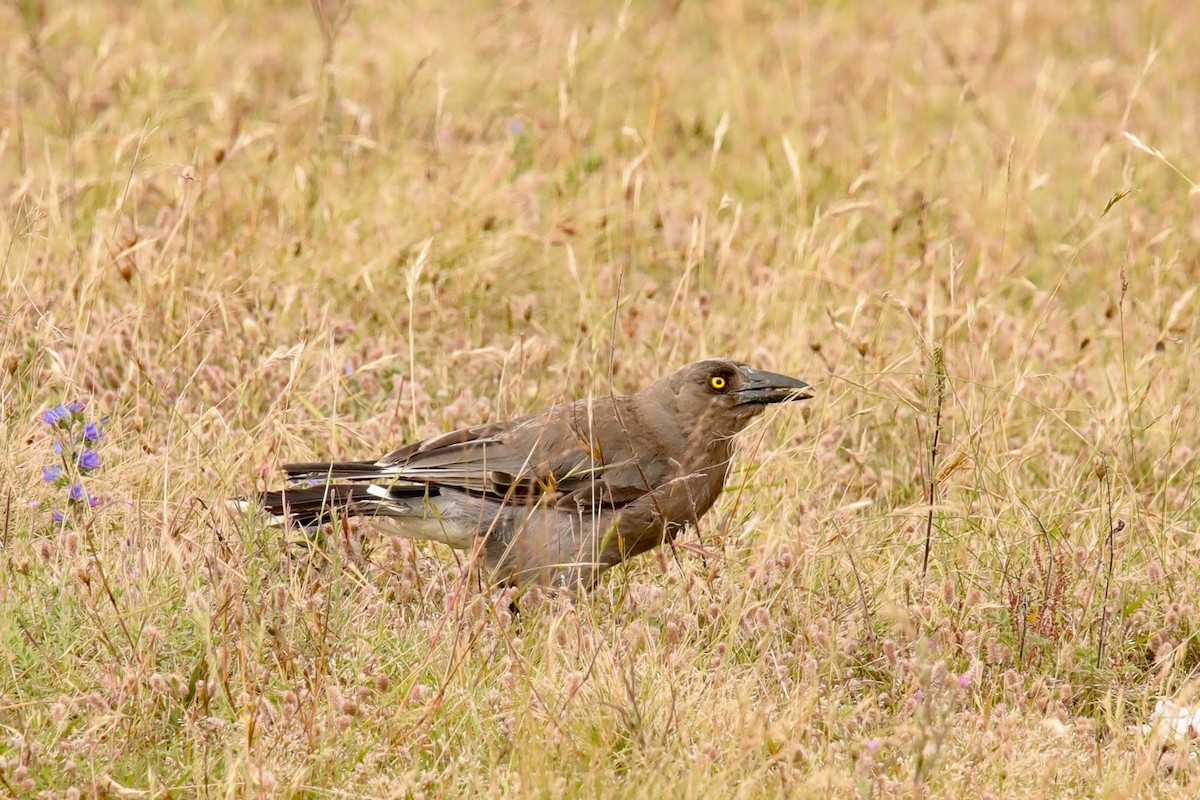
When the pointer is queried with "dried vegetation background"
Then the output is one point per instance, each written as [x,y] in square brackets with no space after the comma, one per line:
[254,232]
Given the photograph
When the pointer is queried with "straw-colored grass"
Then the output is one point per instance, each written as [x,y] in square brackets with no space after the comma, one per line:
[248,234]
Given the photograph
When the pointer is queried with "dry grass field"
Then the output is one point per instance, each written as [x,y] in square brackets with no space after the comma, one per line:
[244,233]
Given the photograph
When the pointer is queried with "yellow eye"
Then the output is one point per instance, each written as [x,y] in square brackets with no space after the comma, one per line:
[717,382]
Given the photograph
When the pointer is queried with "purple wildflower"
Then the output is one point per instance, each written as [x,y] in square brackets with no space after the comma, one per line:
[91,432]
[57,516]
[93,501]
[58,448]
[90,460]
[964,681]
[52,473]
[76,492]
[76,407]
[53,416]
[873,745]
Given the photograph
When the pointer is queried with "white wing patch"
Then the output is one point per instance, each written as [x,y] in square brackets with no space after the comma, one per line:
[382,492]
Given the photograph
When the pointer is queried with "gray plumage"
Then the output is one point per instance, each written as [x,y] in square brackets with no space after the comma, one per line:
[558,497]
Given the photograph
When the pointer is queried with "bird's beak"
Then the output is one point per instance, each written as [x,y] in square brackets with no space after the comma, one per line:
[762,387]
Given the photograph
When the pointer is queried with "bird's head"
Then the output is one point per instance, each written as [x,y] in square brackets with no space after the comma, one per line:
[724,395]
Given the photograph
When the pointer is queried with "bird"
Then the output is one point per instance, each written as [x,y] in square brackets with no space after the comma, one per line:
[555,498]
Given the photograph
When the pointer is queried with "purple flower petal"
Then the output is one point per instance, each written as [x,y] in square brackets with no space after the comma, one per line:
[76,492]
[53,416]
[90,460]
[93,501]
[76,407]
[91,432]
[58,448]
[52,473]
[57,516]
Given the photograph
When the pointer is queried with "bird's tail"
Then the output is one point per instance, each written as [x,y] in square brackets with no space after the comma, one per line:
[323,500]
[333,471]
[310,506]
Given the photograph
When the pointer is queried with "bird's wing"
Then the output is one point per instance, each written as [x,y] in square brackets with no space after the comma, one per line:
[577,454]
